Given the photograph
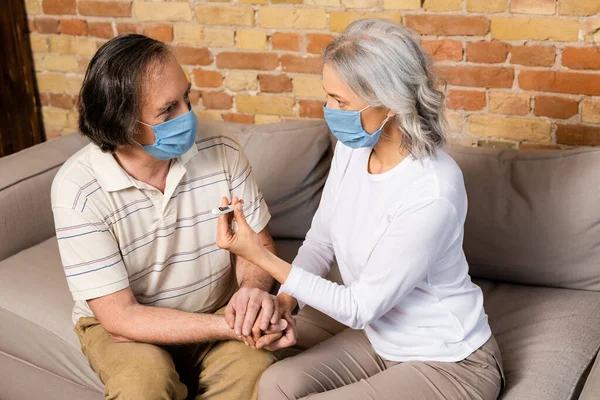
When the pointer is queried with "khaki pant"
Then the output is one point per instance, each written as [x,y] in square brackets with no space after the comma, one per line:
[227,370]
[345,367]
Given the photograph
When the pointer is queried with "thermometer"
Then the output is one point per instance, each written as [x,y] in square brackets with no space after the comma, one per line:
[222,210]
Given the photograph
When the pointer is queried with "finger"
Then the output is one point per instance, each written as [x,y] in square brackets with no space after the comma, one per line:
[230,314]
[249,341]
[267,340]
[240,218]
[279,327]
[250,317]
[276,311]
[266,313]
[223,228]
[256,331]
[239,317]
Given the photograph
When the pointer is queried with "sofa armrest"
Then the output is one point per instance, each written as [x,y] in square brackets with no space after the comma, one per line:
[591,389]
[25,182]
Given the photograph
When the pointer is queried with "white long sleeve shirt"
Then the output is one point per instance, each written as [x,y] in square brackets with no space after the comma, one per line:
[397,238]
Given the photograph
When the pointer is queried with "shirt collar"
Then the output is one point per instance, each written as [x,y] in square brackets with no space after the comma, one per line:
[112,177]
[108,172]
[188,155]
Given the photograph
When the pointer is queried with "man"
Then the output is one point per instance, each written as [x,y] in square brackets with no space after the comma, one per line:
[137,238]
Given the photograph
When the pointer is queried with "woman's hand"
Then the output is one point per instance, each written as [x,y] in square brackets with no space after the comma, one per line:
[245,242]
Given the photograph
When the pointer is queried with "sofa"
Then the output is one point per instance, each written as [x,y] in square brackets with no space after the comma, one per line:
[532,239]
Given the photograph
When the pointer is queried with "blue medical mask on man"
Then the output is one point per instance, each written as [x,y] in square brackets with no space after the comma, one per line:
[347,127]
[174,137]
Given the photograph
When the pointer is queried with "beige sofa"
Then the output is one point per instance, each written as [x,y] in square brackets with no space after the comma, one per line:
[532,239]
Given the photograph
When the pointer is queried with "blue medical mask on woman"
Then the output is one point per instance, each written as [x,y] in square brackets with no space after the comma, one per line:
[174,137]
[347,127]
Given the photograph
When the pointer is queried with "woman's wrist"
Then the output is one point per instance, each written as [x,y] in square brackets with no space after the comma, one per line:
[287,303]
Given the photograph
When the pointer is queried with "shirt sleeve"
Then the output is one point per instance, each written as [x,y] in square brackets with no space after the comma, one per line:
[316,255]
[401,259]
[90,255]
[243,185]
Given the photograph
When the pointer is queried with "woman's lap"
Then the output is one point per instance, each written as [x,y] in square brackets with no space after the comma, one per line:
[347,367]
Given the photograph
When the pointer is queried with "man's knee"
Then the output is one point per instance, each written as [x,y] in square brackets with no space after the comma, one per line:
[150,375]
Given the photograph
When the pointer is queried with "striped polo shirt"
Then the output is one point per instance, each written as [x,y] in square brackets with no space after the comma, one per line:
[114,231]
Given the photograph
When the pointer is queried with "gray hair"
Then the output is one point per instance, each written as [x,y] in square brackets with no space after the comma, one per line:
[384,64]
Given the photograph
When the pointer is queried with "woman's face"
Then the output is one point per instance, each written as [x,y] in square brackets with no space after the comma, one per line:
[165,97]
[340,97]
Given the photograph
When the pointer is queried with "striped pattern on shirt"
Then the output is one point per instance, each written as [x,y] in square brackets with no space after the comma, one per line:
[114,231]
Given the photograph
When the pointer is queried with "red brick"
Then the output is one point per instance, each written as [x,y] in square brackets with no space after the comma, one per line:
[275,83]
[448,25]
[242,60]
[83,64]
[217,100]
[45,98]
[317,42]
[469,100]
[555,107]
[101,29]
[487,52]
[578,135]
[60,7]
[162,32]
[126,27]
[489,77]
[581,57]
[31,25]
[560,82]
[311,109]
[193,56]
[75,27]
[305,65]
[194,96]
[538,56]
[61,100]
[286,41]
[104,8]
[46,25]
[238,118]
[444,50]
[207,79]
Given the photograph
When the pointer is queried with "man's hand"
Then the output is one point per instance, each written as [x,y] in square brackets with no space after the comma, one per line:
[244,306]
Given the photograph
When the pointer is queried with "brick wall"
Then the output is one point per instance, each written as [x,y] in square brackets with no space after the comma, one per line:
[519,73]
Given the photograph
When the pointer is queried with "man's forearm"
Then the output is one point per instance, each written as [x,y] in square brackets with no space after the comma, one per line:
[167,326]
[251,276]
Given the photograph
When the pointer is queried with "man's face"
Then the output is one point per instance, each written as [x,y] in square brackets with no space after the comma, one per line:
[165,97]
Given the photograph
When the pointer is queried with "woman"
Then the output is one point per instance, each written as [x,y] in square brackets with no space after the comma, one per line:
[392,215]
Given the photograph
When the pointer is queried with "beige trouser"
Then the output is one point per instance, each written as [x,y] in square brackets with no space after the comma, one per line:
[227,370]
[345,367]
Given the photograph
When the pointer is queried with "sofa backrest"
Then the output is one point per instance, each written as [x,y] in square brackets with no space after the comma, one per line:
[290,161]
[25,181]
[534,215]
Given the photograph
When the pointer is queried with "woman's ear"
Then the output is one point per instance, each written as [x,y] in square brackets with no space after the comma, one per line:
[390,114]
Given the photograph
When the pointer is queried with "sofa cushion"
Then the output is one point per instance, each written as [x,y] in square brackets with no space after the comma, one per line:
[534,216]
[25,180]
[290,162]
[548,338]
[35,315]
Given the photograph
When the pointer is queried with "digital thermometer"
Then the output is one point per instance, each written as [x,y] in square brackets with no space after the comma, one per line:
[222,210]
